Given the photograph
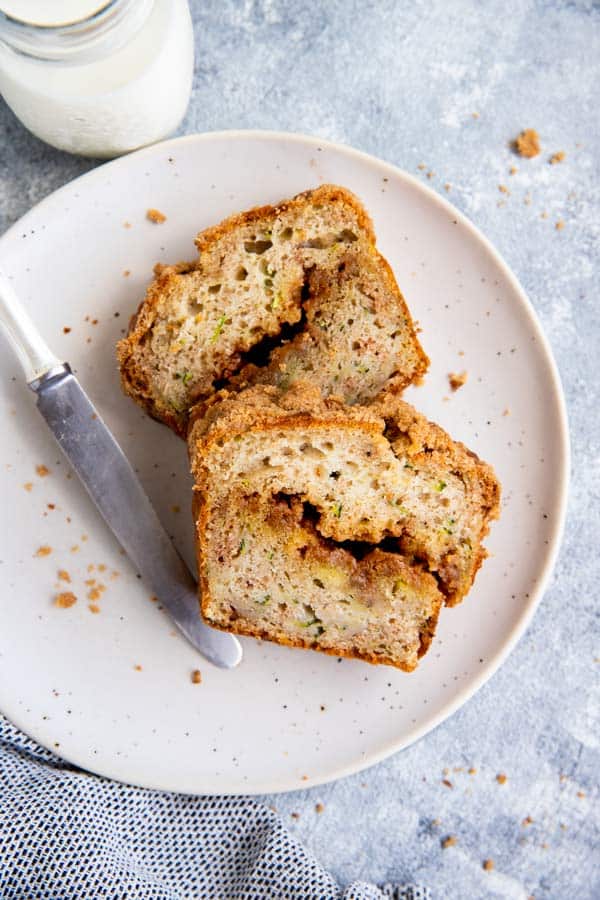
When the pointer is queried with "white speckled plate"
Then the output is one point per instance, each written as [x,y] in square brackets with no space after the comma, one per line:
[112,691]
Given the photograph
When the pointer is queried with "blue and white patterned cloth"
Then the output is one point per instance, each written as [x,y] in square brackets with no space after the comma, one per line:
[69,835]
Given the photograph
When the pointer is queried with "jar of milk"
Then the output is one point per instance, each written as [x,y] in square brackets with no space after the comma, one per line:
[97,78]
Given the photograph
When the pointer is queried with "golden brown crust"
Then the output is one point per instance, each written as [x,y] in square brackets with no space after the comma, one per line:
[134,379]
[326,193]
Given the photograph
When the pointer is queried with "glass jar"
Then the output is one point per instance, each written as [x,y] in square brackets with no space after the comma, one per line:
[102,85]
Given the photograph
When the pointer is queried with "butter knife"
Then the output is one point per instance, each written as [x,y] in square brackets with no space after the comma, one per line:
[110,481]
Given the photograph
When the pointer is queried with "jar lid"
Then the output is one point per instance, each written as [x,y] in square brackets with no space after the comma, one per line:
[54,14]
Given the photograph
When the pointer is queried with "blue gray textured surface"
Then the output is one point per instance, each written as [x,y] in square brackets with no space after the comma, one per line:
[439,89]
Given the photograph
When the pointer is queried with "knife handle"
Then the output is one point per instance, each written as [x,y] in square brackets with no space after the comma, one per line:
[33,353]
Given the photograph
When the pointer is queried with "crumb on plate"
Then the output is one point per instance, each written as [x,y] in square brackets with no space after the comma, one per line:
[42,470]
[488,864]
[156,216]
[557,157]
[449,841]
[501,778]
[44,550]
[196,676]
[457,379]
[65,599]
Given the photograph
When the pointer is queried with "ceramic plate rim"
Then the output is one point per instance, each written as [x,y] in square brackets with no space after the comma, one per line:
[411,735]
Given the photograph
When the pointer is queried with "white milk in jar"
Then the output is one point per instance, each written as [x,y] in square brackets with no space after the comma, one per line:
[97,78]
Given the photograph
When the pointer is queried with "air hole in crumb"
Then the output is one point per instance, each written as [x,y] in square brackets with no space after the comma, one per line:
[257,247]
[310,451]
[241,274]
[214,289]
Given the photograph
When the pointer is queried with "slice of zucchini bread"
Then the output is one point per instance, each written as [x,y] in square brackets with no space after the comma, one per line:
[332,527]
[299,276]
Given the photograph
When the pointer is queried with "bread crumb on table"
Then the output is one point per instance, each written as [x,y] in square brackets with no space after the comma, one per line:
[137,667]
[527,821]
[196,676]
[64,575]
[557,157]
[44,550]
[501,778]
[155,215]
[488,865]
[457,379]
[447,783]
[449,841]
[527,144]
[472,771]
[42,471]
[560,225]
[28,486]
[65,599]
[93,607]
[66,329]
[503,189]
[319,807]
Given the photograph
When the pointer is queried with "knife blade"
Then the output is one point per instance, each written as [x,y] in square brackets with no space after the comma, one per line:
[112,483]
